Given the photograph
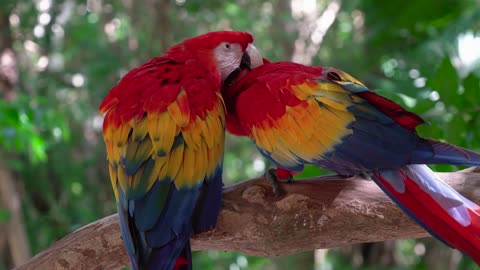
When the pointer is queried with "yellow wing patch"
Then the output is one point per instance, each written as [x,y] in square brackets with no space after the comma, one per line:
[204,140]
[177,148]
[309,129]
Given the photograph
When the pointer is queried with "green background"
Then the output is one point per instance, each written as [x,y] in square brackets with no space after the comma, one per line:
[422,54]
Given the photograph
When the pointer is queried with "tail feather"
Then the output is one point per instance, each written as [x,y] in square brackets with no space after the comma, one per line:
[443,212]
[168,258]
[165,246]
[436,152]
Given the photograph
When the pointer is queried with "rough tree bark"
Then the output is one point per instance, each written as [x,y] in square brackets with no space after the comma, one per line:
[313,214]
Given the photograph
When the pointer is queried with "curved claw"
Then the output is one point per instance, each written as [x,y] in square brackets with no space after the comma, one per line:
[272,175]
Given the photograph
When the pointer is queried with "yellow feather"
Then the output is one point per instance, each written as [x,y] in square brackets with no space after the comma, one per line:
[187,137]
[328,86]
[195,131]
[138,151]
[216,126]
[208,135]
[289,125]
[310,131]
[169,130]
[335,104]
[260,139]
[134,179]
[220,106]
[180,117]
[302,91]
[109,146]
[211,159]
[215,154]
[301,121]
[164,169]
[153,130]
[122,178]
[189,166]
[140,130]
[202,160]
[145,149]
[344,116]
[282,154]
[175,161]
[113,179]
[160,164]
[121,135]
[268,133]
[119,139]
[219,113]
[331,128]
[295,131]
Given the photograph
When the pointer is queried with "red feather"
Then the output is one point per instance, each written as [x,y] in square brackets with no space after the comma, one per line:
[436,218]
[403,117]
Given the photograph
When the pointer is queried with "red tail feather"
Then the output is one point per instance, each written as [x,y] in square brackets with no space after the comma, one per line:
[179,263]
[435,218]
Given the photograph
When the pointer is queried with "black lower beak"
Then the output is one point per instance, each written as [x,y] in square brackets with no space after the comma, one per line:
[246,63]
[231,77]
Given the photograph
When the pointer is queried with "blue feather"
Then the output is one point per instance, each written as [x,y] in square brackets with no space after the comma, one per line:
[209,202]
[435,152]
[148,209]
[175,217]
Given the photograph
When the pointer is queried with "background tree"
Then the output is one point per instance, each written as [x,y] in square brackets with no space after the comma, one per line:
[64,55]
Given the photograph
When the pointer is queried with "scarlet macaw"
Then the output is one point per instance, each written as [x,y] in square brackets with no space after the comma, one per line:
[164,132]
[298,115]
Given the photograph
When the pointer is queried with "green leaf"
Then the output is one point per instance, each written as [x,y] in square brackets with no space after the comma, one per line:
[446,81]
[471,84]
[4,215]
[310,171]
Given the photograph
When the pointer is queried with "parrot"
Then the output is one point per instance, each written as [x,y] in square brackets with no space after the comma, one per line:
[322,116]
[164,130]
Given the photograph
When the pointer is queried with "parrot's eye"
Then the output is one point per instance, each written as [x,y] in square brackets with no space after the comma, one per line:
[227,46]
[334,76]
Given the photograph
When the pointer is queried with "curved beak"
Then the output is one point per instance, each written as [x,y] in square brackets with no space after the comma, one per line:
[252,57]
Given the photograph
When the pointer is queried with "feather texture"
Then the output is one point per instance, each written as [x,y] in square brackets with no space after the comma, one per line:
[300,115]
[165,147]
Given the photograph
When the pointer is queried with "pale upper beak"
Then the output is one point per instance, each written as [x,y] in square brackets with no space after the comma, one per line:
[252,57]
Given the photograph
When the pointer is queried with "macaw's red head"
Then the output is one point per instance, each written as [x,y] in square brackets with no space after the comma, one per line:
[222,52]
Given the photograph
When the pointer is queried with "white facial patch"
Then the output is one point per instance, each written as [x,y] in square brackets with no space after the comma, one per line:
[229,57]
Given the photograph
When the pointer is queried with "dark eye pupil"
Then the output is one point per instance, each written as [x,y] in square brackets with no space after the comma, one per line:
[227,46]
[334,76]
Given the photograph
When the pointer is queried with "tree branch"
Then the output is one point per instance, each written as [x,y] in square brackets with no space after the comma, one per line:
[313,214]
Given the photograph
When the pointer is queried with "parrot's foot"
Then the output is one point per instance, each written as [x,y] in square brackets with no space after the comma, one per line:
[272,176]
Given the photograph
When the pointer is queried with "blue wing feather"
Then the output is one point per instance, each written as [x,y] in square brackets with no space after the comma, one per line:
[209,203]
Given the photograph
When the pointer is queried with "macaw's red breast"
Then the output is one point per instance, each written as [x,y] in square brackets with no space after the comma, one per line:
[266,92]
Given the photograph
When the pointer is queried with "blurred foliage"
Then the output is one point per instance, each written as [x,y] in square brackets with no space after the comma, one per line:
[423,54]
[4,215]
